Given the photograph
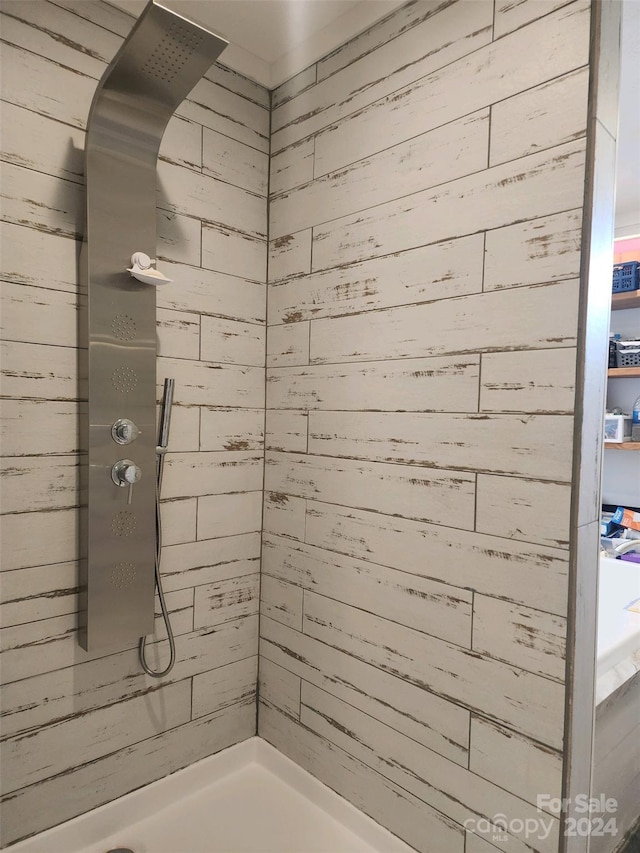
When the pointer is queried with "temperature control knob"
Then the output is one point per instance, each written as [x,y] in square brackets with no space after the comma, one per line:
[126,473]
[124,431]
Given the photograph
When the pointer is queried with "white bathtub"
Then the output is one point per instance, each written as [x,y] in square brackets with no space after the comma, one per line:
[618,627]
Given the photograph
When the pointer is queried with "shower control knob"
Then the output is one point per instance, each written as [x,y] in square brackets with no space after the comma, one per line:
[126,473]
[124,431]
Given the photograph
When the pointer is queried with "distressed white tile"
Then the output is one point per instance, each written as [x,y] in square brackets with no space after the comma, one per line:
[510,16]
[226,600]
[178,334]
[104,14]
[228,515]
[518,318]
[24,422]
[36,142]
[205,383]
[178,521]
[234,163]
[425,384]
[38,316]
[535,575]
[547,115]
[208,561]
[290,255]
[40,372]
[197,195]
[232,341]
[288,344]
[40,806]
[527,638]
[217,108]
[225,686]
[279,687]
[449,268]
[209,292]
[538,250]
[37,258]
[291,167]
[45,87]
[535,381]
[484,76]
[184,427]
[93,735]
[294,85]
[408,491]
[180,607]
[39,483]
[39,538]
[423,716]
[529,510]
[513,762]
[541,184]
[42,202]
[451,789]
[231,429]
[42,592]
[178,238]
[281,601]
[436,157]
[182,144]
[284,515]
[528,702]
[438,609]
[437,41]
[406,815]
[228,251]
[286,430]
[531,445]
[204,473]
[239,84]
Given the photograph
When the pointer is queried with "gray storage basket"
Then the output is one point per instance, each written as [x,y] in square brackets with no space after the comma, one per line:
[628,353]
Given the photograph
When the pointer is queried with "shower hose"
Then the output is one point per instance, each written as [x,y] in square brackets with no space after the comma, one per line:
[161,450]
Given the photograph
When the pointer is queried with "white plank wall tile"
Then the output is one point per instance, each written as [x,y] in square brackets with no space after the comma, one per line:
[294,85]
[539,250]
[439,271]
[290,255]
[292,167]
[231,429]
[228,515]
[465,325]
[281,601]
[212,174]
[437,609]
[409,491]
[406,385]
[284,515]
[510,16]
[513,762]
[279,687]
[520,635]
[534,381]
[510,507]
[483,77]
[443,154]
[232,341]
[286,430]
[288,344]
[225,686]
[428,719]
[491,565]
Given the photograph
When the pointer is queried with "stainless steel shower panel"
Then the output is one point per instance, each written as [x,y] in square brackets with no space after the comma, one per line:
[162,59]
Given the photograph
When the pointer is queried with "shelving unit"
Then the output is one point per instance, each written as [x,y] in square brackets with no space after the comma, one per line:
[622,372]
[625,445]
[630,299]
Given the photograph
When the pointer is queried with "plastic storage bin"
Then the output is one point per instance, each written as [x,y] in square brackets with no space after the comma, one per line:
[617,428]
[626,276]
[628,353]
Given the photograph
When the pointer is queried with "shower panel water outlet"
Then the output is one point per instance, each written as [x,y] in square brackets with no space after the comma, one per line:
[157,66]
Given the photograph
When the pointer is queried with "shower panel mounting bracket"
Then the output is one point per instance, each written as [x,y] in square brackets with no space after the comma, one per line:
[159,63]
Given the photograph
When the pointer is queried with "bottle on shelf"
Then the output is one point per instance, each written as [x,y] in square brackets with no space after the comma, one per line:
[635,421]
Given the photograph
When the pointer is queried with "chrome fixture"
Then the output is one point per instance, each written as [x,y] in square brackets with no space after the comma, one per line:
[157,66]
[161,449]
